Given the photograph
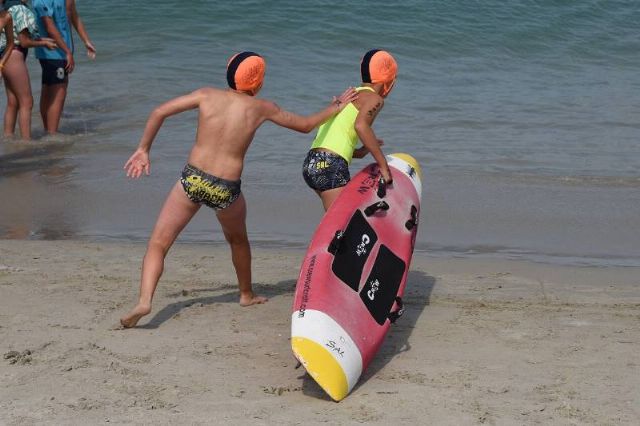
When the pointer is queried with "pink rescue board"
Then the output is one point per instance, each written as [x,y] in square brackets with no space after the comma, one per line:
[354,273]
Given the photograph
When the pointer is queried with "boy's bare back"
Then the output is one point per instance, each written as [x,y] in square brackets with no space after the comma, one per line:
[227,122]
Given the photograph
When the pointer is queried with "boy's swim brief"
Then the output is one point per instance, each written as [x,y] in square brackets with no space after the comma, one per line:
[324,170]
[53,71]
[212,191]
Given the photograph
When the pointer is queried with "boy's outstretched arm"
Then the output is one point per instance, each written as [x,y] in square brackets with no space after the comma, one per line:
[369,109]
[77,23]
[305,124]
[139,162]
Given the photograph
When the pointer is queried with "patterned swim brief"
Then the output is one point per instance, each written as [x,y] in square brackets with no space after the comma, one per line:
[212,191]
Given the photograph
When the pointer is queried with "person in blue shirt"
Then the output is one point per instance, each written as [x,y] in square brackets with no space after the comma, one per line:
[55,18]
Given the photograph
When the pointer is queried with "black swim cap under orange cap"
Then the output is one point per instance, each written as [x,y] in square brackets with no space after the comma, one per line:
[245,71]
[378,66]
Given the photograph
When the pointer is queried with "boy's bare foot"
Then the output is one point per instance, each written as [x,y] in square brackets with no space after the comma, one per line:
[251,299]
[132,318]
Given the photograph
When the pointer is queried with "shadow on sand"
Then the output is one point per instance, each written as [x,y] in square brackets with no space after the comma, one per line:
[231,296]
[416,297]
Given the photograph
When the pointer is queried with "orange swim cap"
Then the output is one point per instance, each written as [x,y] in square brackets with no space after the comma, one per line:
[245,71]
[378,66]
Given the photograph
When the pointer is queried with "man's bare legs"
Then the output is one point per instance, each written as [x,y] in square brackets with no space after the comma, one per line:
[19,98]
[174,216]
[233,221]
[51,105]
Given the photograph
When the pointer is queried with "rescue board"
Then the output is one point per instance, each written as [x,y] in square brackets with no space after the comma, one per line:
[353,276]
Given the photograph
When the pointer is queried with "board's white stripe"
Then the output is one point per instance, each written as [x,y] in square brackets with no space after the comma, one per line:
[324,330]
[404,167]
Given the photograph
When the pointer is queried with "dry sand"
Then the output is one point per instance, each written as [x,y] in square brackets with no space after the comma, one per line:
[481,342]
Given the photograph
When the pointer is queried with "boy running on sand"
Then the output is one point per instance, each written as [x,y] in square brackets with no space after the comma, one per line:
[227,122]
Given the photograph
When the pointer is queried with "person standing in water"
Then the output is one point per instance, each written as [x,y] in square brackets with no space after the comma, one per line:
[55,18]
[326,166]
[227,122]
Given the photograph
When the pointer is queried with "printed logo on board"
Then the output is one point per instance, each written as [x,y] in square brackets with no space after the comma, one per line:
[369,181]
[375,285]
[331,344]
[362,247]
[306,287]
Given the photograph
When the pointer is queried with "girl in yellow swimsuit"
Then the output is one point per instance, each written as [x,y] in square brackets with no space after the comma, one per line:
[326,166]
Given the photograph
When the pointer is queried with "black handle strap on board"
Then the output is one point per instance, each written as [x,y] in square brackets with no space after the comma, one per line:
[382,188]
[334,246]
[394,315]
[411,223]
[379,205]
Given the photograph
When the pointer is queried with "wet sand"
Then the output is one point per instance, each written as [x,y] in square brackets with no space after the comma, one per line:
[481,342]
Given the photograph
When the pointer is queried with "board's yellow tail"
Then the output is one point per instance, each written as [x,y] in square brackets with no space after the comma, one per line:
[322,366]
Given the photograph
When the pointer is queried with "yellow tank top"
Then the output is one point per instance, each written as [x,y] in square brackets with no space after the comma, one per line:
[338,134]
